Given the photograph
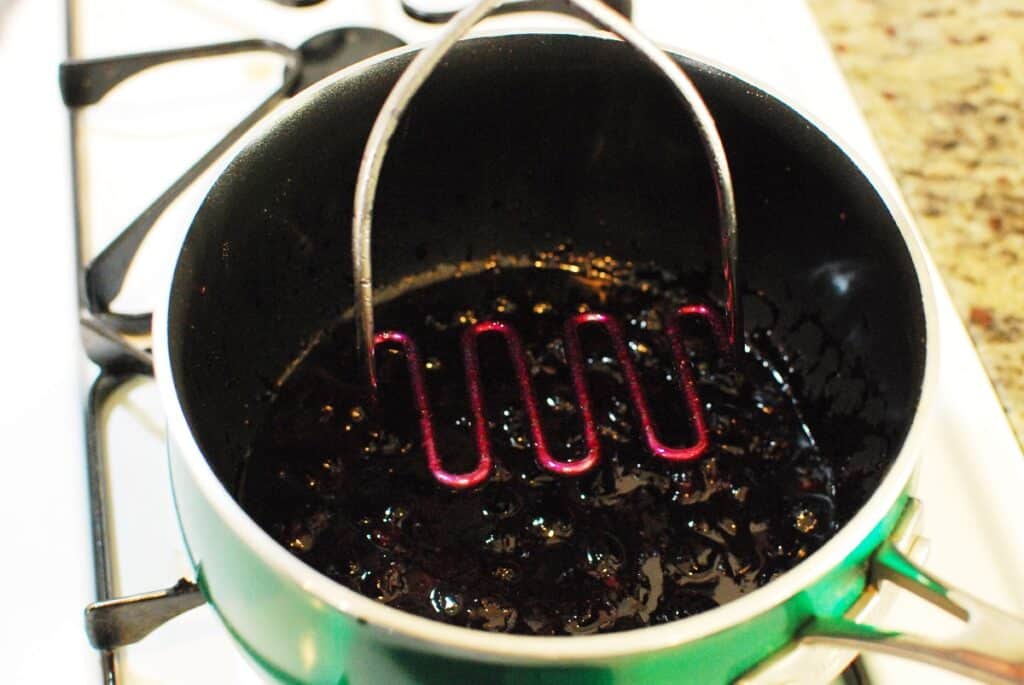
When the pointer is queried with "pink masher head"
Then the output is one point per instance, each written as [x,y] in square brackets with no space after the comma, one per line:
[577,367]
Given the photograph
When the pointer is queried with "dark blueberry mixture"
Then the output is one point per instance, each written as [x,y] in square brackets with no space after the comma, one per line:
[343,484]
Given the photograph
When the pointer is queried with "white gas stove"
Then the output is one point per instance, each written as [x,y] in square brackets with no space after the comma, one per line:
[145,133]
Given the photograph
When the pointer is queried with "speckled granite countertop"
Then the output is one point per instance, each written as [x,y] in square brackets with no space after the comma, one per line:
[941,83]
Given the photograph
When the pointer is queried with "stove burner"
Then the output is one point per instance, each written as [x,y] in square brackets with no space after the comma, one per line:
[85,82]
[114,622]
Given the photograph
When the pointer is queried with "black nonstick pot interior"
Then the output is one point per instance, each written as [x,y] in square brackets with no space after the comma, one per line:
[520,143]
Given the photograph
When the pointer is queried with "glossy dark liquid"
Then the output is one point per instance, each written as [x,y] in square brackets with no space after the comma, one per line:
[637,541]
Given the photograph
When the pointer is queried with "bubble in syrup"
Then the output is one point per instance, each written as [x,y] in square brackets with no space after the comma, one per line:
[446,602]
[493,615]
[504,305]
[391,583]
[541,308]
[502,505]
[602,557]
[805,521]
[302,543]
[466,317]
[551,531]
[506,574]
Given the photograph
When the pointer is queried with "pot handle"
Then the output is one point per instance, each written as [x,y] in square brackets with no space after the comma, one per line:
[989,646]
[426,62]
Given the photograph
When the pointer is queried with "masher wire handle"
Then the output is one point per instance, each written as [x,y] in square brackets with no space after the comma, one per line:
[414,77]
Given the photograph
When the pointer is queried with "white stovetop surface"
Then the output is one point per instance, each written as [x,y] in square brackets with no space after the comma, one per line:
[973,471]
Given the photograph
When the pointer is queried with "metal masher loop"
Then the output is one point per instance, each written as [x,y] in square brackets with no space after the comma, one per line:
[416,74]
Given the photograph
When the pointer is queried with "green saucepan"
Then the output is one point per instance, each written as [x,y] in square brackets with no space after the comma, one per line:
[518,141]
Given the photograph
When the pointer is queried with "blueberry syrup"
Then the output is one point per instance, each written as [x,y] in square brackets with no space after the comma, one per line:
[342,483]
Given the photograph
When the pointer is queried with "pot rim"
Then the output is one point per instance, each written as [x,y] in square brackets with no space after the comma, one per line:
[524,649]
